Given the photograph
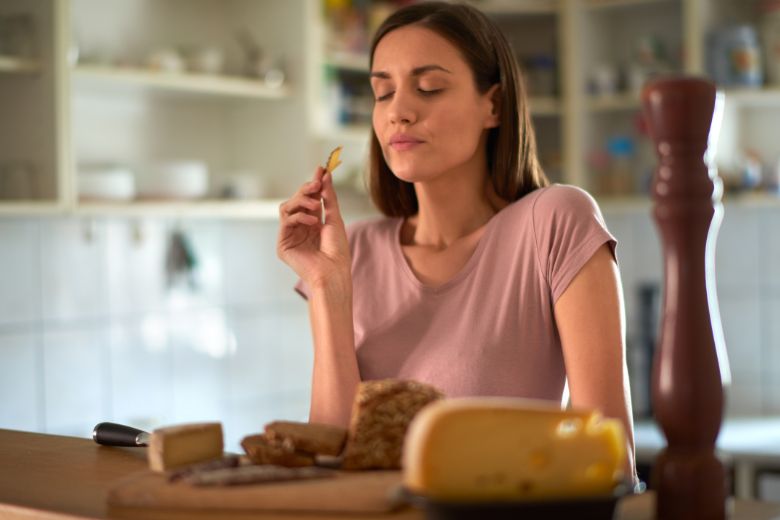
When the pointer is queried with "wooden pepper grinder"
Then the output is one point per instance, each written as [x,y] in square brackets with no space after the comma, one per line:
[690,365]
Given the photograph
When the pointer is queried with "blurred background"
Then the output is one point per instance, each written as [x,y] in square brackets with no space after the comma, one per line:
[145,146]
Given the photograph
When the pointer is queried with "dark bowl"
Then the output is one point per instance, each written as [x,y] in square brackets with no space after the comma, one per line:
[584,508]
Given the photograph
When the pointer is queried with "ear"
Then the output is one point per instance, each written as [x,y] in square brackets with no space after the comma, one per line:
[493,99]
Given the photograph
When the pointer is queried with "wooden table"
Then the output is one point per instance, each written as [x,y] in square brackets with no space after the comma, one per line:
[54,477]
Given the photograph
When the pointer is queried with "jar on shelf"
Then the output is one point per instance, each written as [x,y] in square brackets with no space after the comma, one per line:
[540,70]
[620,175]
[734,57]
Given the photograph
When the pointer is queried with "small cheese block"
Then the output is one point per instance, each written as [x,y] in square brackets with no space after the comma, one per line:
[486,449]
[177,446]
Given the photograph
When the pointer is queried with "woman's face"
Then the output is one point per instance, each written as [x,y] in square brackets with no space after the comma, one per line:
[428,116]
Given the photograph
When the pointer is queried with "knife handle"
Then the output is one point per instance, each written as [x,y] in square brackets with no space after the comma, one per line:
[112,434]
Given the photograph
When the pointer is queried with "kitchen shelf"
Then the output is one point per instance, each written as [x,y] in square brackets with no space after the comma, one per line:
[354,62]
[30,208]
[625,204]
[227,86]
[614,4]
[14,65]
[239,209]
[613,103]
[517,7]
[768,96]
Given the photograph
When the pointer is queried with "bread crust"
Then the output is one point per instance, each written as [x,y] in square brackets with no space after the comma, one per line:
[312,438]
[381,414]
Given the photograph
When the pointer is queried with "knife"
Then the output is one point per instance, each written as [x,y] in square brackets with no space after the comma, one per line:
[112,434]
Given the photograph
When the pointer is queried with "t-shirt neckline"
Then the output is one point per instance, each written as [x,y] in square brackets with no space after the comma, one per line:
[464,271]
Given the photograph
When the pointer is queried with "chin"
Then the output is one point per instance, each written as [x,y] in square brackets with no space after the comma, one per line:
[410,172]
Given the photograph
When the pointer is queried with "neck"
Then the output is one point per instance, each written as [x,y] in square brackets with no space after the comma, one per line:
[453,206]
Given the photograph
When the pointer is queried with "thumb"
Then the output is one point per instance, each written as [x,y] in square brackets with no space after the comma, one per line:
[330,200]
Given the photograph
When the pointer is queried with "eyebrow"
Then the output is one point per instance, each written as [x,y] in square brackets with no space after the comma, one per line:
[417,71]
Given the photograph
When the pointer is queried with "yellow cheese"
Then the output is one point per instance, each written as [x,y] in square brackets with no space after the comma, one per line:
[176,446]
[333,159]
[474,449]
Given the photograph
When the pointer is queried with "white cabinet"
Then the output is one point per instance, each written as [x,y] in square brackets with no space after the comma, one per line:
[32,104]
[599,52]
[163,88]
[100,87]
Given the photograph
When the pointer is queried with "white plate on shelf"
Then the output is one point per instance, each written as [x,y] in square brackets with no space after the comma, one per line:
[181,180]
[115,183]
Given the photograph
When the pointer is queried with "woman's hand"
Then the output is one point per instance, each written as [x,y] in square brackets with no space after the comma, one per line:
[316,251]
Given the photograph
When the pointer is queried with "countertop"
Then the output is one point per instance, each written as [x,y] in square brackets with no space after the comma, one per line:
[55,477]
[748,444]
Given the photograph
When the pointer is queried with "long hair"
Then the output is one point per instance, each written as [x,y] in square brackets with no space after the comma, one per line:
[513,165]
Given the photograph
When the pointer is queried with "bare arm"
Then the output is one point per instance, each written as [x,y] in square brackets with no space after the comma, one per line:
[591,322]
[335,376]
[319,253]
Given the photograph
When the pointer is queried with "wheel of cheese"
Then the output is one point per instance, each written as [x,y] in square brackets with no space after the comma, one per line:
[477,449]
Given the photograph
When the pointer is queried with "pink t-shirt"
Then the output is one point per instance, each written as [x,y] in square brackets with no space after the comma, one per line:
[490,330]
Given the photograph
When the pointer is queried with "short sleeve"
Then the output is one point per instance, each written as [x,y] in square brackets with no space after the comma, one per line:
[569,229]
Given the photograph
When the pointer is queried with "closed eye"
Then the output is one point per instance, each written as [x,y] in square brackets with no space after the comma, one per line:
[422,92]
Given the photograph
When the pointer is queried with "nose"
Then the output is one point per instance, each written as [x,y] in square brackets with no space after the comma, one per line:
[402,109]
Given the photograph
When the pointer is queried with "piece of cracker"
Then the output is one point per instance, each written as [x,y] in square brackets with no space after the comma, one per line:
[333,159]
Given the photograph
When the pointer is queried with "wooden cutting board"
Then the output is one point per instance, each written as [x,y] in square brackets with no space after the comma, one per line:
[366,492]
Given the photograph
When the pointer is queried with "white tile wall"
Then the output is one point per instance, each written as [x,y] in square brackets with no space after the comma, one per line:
[737,253]
[19,281]
[769,219]
[112,341]
[273,353]
[19,381]
[771,368]
[135,265]
[741,319]
[743,397]
[648,264]
[206,240]
[200,346]
[253,273]
[76,379]
[73,269]
[141,363]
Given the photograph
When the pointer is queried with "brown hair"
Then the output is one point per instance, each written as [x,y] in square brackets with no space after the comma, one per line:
[513,165]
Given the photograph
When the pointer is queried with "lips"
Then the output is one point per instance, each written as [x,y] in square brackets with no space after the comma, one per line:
[404,142]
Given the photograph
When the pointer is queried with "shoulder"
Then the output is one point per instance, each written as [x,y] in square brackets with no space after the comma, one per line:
[564,199]
[554,202]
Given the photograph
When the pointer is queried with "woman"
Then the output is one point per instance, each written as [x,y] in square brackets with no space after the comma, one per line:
[481,279]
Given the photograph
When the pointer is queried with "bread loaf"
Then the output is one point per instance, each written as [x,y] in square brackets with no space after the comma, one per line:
[311,438]
[381,413]
[262,450]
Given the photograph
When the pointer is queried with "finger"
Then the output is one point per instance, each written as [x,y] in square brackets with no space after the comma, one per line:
[311,188]
[300,203]
[315,184]
[297,219]
[330,200]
